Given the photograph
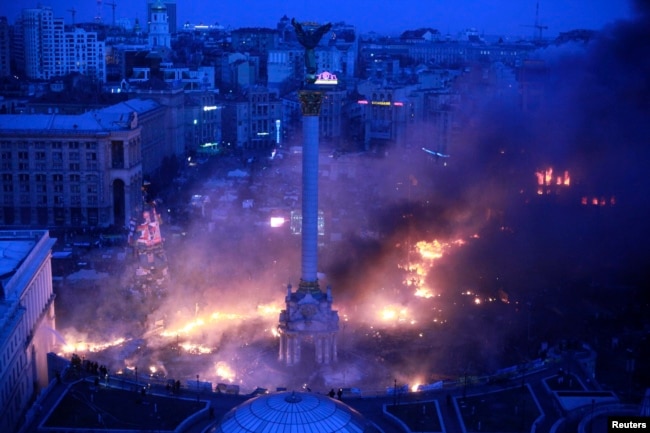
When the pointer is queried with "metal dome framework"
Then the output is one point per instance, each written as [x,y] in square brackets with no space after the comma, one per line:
[293,412]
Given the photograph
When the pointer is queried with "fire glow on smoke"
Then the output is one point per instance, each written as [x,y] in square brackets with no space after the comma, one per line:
[187,331]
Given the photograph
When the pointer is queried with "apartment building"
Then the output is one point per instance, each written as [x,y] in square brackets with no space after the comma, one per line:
[26,321]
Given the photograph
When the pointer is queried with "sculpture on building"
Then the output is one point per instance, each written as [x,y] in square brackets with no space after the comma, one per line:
[309,39]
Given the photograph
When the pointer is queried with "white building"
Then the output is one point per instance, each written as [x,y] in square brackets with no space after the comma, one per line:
[50,51]
[26,321]
[159,37]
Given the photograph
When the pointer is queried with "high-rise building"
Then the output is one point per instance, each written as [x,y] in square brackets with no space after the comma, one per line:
[50,51]
[5,48]
[27,331]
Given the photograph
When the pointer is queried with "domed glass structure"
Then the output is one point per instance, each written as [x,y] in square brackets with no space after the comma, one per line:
[293,412]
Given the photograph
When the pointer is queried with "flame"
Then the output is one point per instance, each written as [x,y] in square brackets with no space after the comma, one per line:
[197,349]
[424,292]
[269,310]
[395,313]
[224,371]
[186,329]
[417,270]
[545,178]
[86,346]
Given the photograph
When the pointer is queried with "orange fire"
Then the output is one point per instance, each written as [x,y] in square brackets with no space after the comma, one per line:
[87,346]
[546,179]
[418,268]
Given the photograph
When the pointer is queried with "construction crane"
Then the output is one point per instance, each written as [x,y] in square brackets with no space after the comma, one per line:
[113,5]
[98,17]
[540,28]
[73,12]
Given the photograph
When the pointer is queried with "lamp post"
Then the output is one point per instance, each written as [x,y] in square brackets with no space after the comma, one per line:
[197,388]
[395,393]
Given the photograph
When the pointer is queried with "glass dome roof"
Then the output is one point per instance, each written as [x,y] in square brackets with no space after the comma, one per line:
[293,412]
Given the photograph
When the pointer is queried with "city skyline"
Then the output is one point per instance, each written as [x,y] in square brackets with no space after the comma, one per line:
[513,18]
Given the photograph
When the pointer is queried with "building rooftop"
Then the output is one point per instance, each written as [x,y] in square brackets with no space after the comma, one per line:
[113,118]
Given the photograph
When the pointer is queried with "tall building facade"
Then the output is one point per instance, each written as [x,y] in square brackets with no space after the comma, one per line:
[26,321]
[70,170]
[249,121]
[50,51]
[5,48]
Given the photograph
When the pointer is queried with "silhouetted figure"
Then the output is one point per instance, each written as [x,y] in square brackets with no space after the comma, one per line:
[340,393]
[309,39]
[332,393]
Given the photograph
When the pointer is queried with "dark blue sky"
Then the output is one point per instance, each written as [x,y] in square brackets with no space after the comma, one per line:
[449,16]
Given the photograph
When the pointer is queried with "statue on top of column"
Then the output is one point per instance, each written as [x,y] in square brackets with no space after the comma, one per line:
[310,39]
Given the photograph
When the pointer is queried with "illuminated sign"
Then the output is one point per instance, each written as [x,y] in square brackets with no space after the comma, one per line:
[326,78]
[209,107]
[382,103]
